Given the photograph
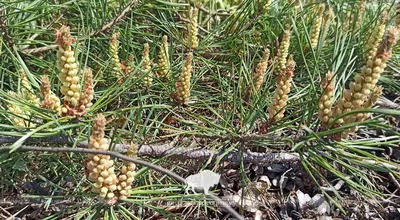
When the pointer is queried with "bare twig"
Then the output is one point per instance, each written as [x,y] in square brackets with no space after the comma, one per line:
[39,49]
[226,206]
[55,139]
[396,183]
[121,16]
[122,157]
[37,202]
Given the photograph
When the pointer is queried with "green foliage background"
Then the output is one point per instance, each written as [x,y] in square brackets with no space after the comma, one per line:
[233,37]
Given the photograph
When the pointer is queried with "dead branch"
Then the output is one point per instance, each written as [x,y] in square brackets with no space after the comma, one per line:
[168,149]
[202,154]
[56,139]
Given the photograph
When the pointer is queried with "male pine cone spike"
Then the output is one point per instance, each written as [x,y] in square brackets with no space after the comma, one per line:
[365,83]
[295,4]
[27,90]
[45,87]
[163,59]
[21,118]
[316,28]
[126,177]
[283,51]
[258,75]
[87,92]
[368,104]
[266,6]
[100,168]
[325,105]
[277,109]
[192,28]
[376,36]
[360,117]
[347,22]
[114,43]
[370,73]
[130,66]
[17,121]
[260,70]
[50,100]
[68,68]
[361,12]
[146,65]
[329,14]
[398,14]
[183,83]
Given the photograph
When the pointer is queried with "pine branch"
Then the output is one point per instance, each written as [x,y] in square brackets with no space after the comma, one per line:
[122,157]
[168,149]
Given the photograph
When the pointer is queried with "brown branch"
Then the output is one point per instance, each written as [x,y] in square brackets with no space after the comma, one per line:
[158,151]
[56,139]
[39,49]
[122,157]
[202,154]
[133,4]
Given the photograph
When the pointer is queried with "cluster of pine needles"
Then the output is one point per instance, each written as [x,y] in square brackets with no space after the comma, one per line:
[301,75]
